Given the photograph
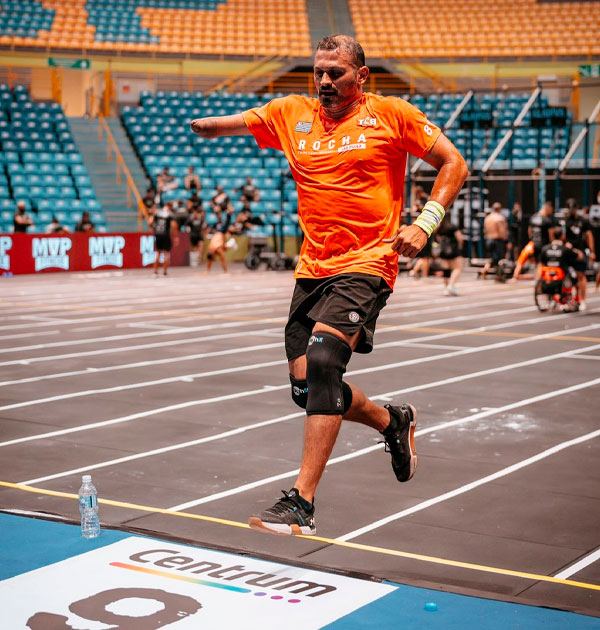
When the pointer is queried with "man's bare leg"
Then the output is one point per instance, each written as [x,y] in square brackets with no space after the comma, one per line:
[321,431]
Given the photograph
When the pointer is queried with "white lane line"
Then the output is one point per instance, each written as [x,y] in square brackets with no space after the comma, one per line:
[138,364]
[377,368]
[119,388]
[596,358]
[189,341]
[474,484]
[176,331]
[370,449]
[183,330]
[175,342]
[217,292]
[433,346]
[386,396]
[28,335]
[565,574]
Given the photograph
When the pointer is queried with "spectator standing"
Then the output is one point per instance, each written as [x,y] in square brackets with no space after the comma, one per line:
[578,233]
[515,225]
[197,229]
[192,180]
[495,230]
[451,242]
[182,212]
[21,221]
[85,224]
[541,228]
[165,230]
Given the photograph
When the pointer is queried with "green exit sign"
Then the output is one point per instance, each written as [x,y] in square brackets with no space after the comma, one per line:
[80,64]
[589,71]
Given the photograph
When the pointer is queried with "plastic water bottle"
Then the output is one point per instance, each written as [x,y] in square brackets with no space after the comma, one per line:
[88,507]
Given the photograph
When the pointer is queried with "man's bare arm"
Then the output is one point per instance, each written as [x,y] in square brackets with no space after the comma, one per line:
[452,172]
[216,126]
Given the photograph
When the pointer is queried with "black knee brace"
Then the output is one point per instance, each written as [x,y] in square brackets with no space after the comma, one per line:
[447,273]
[299,391]
[326,358]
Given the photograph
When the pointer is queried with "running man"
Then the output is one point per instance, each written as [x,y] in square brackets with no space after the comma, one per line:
[347,152]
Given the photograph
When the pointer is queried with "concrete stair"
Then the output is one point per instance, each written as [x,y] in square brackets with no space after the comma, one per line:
[112,196]
[327,18]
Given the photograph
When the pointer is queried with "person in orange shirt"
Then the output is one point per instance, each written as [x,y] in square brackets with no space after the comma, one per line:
[347,152]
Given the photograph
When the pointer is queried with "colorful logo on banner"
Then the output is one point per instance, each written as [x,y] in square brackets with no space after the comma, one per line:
[106,251]
[51,253]
[5,246]
[147,250]
[147,584]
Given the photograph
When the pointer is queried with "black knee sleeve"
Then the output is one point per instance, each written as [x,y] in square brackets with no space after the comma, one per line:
[326,358]
[447,273]
[299,391]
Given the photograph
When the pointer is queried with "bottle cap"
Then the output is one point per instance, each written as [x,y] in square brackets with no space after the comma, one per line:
[86,478]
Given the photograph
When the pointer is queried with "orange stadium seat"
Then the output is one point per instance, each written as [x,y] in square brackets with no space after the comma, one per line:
[477,28]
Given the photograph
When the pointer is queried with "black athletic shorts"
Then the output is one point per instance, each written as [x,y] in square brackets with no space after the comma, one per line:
[162,243]
[347,302]
[195,239]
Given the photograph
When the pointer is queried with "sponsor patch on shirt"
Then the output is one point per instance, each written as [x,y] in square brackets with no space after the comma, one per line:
[303,127]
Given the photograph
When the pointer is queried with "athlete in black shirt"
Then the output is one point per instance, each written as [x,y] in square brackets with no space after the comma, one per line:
[579,234]
[197,228]
[163,223]
[541,228]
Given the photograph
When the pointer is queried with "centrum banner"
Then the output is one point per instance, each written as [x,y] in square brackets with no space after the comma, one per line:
[41,253]
[143,584]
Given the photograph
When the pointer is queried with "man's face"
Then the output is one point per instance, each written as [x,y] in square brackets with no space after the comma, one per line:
[337,81]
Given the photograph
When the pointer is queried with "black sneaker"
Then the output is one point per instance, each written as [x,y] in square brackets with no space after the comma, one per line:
[290,515]
[400,440]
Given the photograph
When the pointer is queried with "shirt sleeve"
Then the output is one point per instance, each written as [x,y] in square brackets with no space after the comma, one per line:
[265,122]
[417,135]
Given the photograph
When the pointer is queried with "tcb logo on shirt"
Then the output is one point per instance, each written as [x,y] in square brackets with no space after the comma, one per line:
[367,122]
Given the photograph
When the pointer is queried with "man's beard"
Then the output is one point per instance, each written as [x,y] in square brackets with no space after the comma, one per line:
[328,98]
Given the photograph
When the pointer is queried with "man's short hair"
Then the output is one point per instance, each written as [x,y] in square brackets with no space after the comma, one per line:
[345,42]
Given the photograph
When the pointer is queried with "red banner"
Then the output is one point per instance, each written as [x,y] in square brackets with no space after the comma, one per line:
[82,251]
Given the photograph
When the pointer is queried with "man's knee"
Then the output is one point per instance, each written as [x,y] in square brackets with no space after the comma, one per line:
[326,358]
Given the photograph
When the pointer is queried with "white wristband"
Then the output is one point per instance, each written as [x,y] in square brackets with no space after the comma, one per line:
[431,216]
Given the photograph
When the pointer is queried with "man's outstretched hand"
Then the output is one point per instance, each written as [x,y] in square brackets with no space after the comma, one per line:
[408,241]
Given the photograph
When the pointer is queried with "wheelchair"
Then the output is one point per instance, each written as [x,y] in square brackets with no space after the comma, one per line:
[556,291]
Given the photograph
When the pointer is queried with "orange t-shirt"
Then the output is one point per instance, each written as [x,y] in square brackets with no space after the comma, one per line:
[350,177]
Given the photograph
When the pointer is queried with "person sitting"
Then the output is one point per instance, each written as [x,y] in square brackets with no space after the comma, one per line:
[220,203]
[557,262]
[192,180]
[85,224]
[55,227]
[248,191]
[166,181]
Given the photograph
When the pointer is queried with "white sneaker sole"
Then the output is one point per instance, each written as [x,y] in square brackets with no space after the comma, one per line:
[281,529]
